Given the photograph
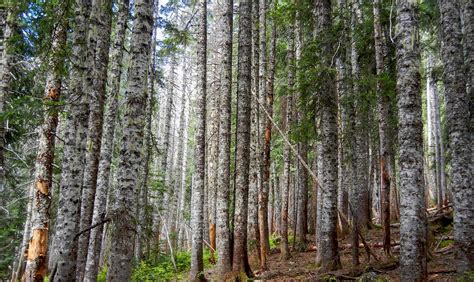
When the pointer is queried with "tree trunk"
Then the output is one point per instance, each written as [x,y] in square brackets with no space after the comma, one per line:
[457,110]
[264,105]
[37,263]
[328,248]
[285,196]
[99,41]
[252,224]
[8,13]
[20,264]
[358,203]
[213,151]
[222,213]
[124,219]
[74,151]
[107,144]
[413,232]
[266,88]
[197,198]
[345,107]
[242,158]
[383,105]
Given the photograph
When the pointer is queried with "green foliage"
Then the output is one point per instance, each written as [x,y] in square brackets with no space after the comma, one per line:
[163,268]
[101,276]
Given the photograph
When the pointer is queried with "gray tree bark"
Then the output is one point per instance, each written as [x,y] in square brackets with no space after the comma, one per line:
[223,182]
[252,225]
[458,122]
[343,68]
[107,144]
[64,251]
[383,104]
[413,232]
[99,41]
[7,24]
[328,249]
[240,258]
[124,220]
[358,202]
[285,196]
[197,195]
[37,264]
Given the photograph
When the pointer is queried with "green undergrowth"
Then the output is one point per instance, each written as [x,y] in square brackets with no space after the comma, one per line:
[163,269]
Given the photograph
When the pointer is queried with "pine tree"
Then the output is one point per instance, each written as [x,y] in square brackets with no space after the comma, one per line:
[413,223]
[124,220]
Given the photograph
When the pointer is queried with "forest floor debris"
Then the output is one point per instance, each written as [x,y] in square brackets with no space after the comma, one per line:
[302,265]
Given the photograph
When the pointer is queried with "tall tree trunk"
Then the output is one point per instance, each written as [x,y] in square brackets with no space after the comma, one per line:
[240,257]
[223,182]
[434,133]
[99,40]
[182,154]
[124,220]
[213,151]
[358,203]
[252,225]
[197,198]
[458,122]
[345,107]
[413,232]
[37,264]
[8,12]
[266,87]
[468,31]
[107,144]
[301,199]
[383,104]
[20,263]
[285,196]
[180,164]
[74,151]
[328,248]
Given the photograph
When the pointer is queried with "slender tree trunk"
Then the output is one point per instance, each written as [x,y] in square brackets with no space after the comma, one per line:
[328,111]
[383,105]
[345,107]
[124,219]
[240,257]
[457,109]
[266,87]
[285,251]
[252,225]
[74,151]
[99,41]
[222,213]
[358,204]
[37,264]
[107,144]
[20,265]
[8,13]
[180,182]
[301,199]
[197,198]
[413,232]
[213,151]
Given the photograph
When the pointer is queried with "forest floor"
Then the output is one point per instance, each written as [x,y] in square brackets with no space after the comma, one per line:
[301,266]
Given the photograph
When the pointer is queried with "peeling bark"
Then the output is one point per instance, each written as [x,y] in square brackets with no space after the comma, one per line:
[37,264]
